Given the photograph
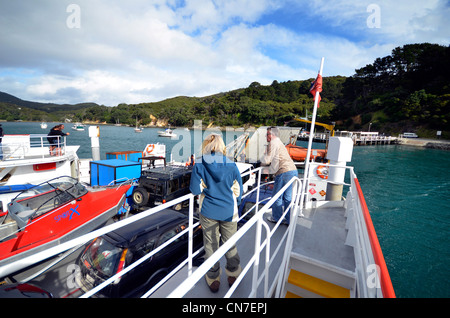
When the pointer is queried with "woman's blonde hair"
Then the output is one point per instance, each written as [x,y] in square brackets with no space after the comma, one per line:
[213,143]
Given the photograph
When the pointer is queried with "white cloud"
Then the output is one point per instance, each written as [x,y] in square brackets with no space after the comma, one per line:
[142,51]
[401,20]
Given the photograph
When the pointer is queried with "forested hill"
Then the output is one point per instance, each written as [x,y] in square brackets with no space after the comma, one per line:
[405,91]
[408,89]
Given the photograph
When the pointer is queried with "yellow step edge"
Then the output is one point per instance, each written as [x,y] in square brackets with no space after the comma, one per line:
[291,295]
[317,285]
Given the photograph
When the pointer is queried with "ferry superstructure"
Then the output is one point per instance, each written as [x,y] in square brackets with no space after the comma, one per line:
[27,161]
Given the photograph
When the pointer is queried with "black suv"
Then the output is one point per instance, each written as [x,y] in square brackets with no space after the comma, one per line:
[160,185]
[109,254]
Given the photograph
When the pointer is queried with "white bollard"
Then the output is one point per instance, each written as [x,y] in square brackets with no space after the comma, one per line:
[94,134]
[340,150]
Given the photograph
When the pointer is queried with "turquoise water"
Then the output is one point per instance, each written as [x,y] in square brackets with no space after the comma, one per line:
[407,191]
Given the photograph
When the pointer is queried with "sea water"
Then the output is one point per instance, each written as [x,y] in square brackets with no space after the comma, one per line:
[406,188]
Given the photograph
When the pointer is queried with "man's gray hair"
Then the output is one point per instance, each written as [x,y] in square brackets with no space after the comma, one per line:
[274,130]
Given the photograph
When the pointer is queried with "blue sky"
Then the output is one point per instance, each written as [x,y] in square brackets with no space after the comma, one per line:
[111,51]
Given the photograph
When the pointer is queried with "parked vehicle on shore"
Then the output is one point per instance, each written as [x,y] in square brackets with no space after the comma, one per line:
[409,135]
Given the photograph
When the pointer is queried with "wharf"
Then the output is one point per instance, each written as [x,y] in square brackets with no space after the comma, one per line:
[375,140]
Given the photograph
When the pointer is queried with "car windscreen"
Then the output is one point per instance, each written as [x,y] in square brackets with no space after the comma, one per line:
[103,256]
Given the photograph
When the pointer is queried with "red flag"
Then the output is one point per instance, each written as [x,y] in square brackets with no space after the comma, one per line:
[316,86]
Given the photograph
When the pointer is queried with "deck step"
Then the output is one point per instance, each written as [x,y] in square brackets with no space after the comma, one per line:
[291,295]
[317,286]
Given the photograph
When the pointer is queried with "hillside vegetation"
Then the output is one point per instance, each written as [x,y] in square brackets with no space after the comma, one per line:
[405,91]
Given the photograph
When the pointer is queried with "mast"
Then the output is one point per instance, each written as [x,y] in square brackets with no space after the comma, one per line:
[311,135]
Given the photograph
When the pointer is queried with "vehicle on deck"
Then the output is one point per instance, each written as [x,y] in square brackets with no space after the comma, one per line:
[109,254]
[165,183]
[161,184]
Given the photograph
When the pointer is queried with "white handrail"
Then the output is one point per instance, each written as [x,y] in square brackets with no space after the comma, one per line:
[19,149]
[185,286]
[45,254]
[363,254]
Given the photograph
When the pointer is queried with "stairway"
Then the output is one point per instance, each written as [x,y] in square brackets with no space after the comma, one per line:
[314,286]
[309,279]
[322,262]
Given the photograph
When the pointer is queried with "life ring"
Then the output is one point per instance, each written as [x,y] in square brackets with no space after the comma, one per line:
[150,148]
[322,172]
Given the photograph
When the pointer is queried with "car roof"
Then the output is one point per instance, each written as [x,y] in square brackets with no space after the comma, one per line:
[127,234]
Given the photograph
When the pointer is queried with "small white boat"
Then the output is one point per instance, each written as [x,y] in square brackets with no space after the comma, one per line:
[167,133]
[138,128]
[44,125]
[78,127]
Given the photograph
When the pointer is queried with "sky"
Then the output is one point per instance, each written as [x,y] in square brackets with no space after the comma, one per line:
[111,51]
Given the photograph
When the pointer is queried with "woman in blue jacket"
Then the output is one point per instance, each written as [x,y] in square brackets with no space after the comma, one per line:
[218,182]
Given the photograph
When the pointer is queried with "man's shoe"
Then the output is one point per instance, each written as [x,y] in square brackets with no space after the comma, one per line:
[271,219]
[213,283]
[214,287]
[232,276]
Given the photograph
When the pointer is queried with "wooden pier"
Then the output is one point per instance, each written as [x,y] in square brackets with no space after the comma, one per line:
[375,140]
[368,138]
[360,138]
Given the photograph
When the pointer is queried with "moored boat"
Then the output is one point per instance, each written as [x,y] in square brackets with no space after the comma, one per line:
[167,133]
[298,153]
[54,212]
[27,160]
[78,127]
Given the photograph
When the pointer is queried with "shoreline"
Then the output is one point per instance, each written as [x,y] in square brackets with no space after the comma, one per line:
[426,143]
[440,144]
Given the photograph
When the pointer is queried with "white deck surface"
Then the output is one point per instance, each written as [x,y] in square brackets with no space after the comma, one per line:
[320,235]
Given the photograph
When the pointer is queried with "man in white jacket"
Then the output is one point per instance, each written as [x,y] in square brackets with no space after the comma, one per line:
[282,166]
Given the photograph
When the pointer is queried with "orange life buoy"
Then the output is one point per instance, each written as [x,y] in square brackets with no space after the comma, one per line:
[150,148]
[322,172]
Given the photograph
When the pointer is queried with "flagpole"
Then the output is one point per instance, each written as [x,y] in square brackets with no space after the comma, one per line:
[311,134]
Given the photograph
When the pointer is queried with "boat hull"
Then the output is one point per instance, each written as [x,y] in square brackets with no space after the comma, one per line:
[298,153]
[95,212]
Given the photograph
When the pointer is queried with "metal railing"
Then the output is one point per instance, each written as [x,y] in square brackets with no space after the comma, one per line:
[367,248]
[372,276]
[17,147]
[193,277]
[257,278]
